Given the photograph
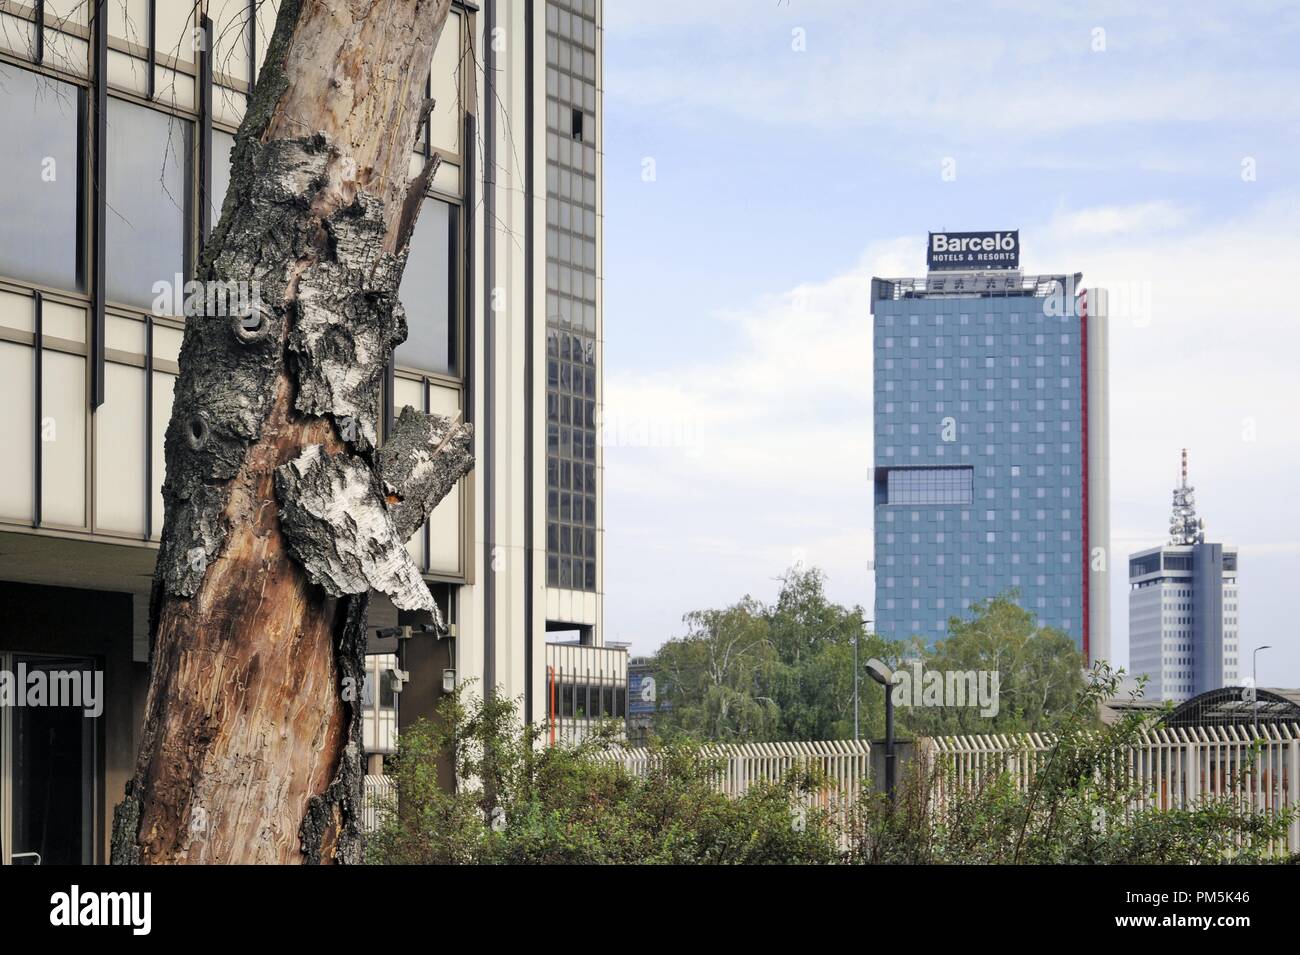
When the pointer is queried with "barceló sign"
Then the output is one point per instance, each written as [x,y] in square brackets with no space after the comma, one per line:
[973,250]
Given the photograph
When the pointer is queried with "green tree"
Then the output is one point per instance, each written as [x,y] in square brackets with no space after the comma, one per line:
[715,679]
[1040,672]
[813,685]
[757,673]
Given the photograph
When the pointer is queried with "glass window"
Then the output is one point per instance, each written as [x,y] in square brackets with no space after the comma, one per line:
[40,165]
[427,289]
[571,303]
[930,486]
[148,173]
[223,145]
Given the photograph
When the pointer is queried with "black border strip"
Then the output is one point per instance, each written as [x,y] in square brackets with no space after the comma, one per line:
[38,55]
[38,379]
[205,133]
[252,46]
[469,200]
[99,143]
[428,117]
[148,427]
[152,61]
[529,251]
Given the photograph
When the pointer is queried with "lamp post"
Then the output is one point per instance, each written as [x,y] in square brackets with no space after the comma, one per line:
[857,678]
[885,677]
[1254,680]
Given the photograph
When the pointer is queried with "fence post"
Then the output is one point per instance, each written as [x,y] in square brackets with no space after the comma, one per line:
[1293,794]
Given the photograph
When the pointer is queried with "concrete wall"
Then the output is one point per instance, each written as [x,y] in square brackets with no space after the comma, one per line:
[1100,556]
[1207,616]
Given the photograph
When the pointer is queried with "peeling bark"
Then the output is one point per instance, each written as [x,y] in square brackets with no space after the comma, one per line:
[333,512]
[420,463]
[251,750]
[331,825]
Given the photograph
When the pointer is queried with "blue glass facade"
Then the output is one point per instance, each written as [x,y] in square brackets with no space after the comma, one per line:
[979,458]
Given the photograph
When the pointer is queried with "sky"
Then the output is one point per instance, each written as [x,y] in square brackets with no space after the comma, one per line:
[764,159]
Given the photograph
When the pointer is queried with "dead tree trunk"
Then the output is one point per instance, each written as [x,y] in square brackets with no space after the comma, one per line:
[281,513]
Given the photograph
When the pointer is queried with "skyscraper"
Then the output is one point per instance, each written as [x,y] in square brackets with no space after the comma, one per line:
[991,445]
[1183,623]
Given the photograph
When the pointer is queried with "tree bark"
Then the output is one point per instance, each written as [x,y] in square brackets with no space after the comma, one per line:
[281,514]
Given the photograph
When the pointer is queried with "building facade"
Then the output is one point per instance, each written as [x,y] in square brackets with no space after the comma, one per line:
[1183,603]
[991,457]
[113,170]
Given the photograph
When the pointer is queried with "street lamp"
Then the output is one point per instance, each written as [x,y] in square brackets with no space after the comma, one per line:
[1254,679]
[885,677]
[856,678]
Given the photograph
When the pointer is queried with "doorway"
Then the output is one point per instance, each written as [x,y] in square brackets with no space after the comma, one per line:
[47,767]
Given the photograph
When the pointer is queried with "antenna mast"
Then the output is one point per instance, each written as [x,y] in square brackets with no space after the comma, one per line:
[1184,526]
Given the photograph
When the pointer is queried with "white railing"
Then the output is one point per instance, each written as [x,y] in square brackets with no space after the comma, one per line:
[1175,768]
[585,686]
[845,762]
[1178,768]
[845,766]
[379,795]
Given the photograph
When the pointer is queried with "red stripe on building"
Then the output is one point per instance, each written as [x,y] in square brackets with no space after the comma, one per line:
[1083,365]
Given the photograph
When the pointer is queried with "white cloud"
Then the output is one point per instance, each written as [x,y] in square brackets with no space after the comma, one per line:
[1111,221]
[778,463]
[1009,70]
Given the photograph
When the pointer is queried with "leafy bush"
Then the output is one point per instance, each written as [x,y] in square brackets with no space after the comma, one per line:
[521,802]
[1081,808]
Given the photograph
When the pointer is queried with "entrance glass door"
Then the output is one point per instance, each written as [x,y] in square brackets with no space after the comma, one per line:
[47,772]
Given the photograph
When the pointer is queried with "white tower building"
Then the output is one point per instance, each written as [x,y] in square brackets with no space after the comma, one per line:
[1183,617]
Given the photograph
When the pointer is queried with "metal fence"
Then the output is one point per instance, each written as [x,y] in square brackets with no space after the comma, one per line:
[1177,768]
[379,795]
[845,766]
[847,763]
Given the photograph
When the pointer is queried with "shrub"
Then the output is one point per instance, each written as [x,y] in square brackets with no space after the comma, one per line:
[521,802]
[1081,808]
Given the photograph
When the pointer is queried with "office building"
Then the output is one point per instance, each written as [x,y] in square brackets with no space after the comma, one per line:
[503,298]
[991,447]
[1184,632]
